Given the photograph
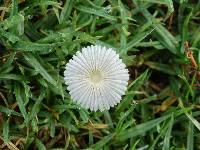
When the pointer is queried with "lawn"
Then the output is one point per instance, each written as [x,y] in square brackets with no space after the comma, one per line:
[158,40]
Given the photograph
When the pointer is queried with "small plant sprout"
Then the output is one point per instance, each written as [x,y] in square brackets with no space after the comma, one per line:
[96,78]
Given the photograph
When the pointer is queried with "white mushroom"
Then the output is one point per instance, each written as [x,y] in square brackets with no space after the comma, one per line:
[96,78]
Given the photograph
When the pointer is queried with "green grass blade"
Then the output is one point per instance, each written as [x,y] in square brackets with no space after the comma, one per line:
[140,129]
[139,81]
[20,101]
[39,144]
[37,66]
[166,142]
[135,85]
[190,136]
[34,47]
[136,40]
[9,112]
[162,34]
[103,141]
[6,131]
[14,8]
[161,67]
[196,38]
[64,15]
[185,36]
[99,12]
[190,117]
[36,107]
[169,4]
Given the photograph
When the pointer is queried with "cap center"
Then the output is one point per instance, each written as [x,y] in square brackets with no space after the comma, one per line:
[96,76]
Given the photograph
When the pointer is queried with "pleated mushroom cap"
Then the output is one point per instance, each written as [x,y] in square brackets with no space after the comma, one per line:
[96,78]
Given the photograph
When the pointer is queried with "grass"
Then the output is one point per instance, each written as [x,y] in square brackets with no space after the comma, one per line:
[159,40]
